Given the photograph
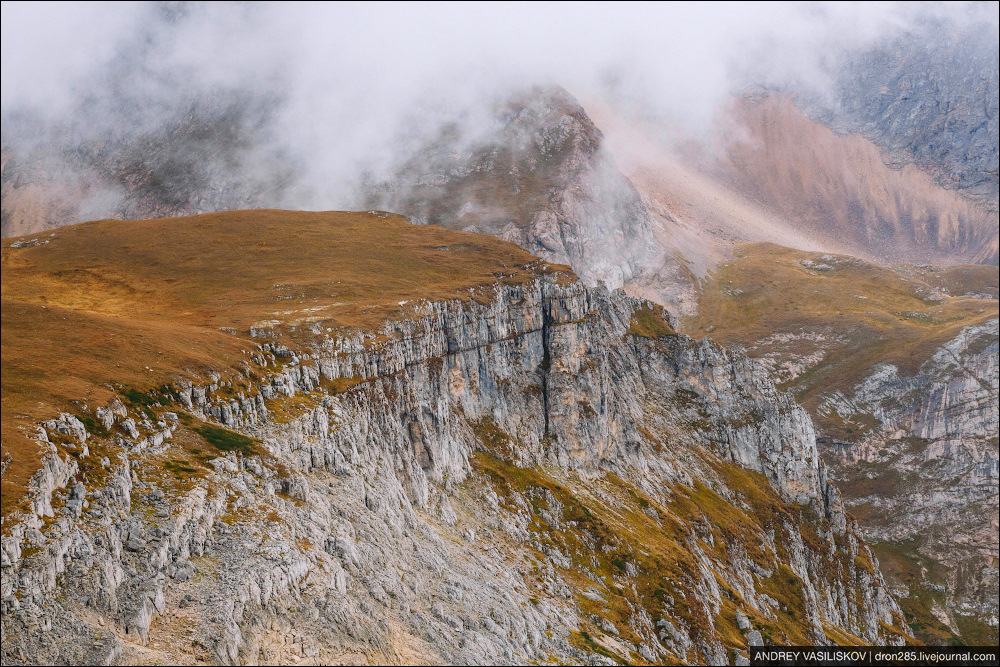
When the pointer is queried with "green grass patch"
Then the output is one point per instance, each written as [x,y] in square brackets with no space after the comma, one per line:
[494,440]
[140,401]
[93,426]
[179,468]
[650,321]
[225,440]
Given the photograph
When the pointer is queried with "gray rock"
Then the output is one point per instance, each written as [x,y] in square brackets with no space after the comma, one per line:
[937,434]
[356,558]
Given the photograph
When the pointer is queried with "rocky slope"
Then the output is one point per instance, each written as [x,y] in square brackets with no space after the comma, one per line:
[928,96]
[901,382]
[925,474]
[542,177]
[768,172]
[787,178]
[546,471]
[839,189]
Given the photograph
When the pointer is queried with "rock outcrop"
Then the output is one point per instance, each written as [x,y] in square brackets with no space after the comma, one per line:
[929,96]
[544,180]
[926,473]
[551,474]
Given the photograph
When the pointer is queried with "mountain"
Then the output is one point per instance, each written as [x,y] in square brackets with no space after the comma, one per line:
[543,178]
[138,139]
[821,321]
[213,155]
[235,445]
[927,96]
[769,173]
[837,319]
[839,188]
[442,403]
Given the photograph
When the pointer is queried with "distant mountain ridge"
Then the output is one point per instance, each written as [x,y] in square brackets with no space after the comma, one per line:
[928,96]
[838,187]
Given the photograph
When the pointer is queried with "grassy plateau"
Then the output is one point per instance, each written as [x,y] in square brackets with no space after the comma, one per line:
[96,307]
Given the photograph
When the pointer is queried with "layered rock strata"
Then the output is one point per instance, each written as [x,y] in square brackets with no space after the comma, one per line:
[553,474]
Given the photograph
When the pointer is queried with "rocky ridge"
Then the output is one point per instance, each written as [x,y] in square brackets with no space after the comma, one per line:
[929,97]
[901,385]
[552,474]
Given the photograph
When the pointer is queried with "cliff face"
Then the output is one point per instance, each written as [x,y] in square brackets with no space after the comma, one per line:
[926,475]
[839,190]
[550,473]
[901,384]
[928,97]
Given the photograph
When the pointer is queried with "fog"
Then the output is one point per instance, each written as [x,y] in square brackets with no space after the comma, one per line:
[326,91]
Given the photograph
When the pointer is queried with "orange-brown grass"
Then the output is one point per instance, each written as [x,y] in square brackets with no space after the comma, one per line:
[650,321]
[880,314]
[54,357]
[141,303]
[605,536]
[960,280]
[232,269]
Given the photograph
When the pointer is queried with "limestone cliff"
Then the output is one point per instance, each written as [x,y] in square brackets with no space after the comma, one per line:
[901,384]
[550,473]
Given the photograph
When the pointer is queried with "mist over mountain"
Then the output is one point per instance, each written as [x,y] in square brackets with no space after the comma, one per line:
[648,334]
[927,96]
[174,108]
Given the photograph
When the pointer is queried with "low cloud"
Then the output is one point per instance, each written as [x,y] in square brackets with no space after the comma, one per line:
[334,90]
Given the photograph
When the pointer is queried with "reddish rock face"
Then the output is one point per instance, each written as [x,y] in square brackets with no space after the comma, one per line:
[839,187]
